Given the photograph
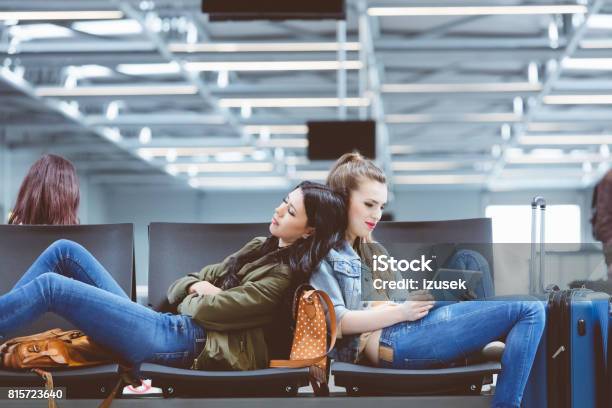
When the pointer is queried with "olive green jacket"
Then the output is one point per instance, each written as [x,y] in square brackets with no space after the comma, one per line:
[234,318]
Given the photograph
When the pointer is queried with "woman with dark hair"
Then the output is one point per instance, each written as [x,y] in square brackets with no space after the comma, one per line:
[222,310]
[413,334]
[49,194]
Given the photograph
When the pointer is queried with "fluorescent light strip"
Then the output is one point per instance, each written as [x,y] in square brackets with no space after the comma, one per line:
[242,182]
[131,90]
[165,68]
[561,159]
[292,102]
[566,140]
[297,161]
[440,179]
[29,32]
[459,88]
[595,64]
[428,165]
[61,15]
[109,28]
[600,22]
[220,167]
[192,151]
[578,100]
[596,44]
[277,129]
[558,127]
[311,175]
[264,47]
[288,143]
[461,118]
[475,10]
[272,66]
[401,149]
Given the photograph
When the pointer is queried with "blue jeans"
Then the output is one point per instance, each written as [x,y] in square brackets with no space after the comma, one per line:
[474,261]
[67,280]
[447,336]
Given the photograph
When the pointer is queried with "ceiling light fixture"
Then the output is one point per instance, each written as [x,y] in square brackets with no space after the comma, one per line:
[61,15]
[193,151]
[462,88]
[428,165]
[596,43]
[222,167]
[566,140]
[595,64]
[578,99]
[476,10]
[239,182]
[272,66]
[287,143]
[292,102]
[145,135]
[264,47]
[108,28]
[165,68]
[277,129]
[452,118]
[440,179]
[127,90]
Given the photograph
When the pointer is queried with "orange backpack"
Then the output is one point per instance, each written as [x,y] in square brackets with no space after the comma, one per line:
[309,348]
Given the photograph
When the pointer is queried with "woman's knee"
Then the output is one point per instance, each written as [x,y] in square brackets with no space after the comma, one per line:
[49,280]
[534,309]
[63,245]
[470,259]
[53,283]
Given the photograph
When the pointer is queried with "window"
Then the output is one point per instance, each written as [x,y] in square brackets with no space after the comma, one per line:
[512,223]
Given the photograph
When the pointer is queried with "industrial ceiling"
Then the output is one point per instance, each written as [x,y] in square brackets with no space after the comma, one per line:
[495,95]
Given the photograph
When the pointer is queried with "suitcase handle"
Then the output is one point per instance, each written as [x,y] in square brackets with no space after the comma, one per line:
[538,201]
[536,281]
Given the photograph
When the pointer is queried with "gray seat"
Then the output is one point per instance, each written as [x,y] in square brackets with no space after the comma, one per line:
[363,380]
[113,246]
[473,234]
[176,250]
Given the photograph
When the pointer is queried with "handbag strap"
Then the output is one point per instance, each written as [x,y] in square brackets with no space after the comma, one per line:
[310,361]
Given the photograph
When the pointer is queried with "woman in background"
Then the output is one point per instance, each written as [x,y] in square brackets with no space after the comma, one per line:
[49,194]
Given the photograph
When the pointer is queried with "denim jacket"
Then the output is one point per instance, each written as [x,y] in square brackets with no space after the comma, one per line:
[347,281]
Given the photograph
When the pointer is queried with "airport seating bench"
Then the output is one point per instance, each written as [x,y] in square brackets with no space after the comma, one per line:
[113,246]
[176,250]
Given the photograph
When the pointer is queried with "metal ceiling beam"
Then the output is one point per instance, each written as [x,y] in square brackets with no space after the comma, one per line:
[374,83]
[534,107]
[53,106]
[191,77]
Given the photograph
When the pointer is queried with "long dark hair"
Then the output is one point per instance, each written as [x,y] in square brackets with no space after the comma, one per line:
[326,212]
[49,194]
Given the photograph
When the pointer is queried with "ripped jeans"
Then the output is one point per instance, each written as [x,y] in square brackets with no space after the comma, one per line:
[67,280]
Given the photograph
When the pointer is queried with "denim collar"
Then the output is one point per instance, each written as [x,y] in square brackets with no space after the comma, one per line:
[344,253]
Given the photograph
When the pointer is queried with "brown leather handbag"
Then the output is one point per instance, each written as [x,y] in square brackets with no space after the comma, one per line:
[54,348]
[57,348]
[309,348]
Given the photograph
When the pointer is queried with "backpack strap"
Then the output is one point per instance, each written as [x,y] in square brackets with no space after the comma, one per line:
[124,380]
[48,385]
